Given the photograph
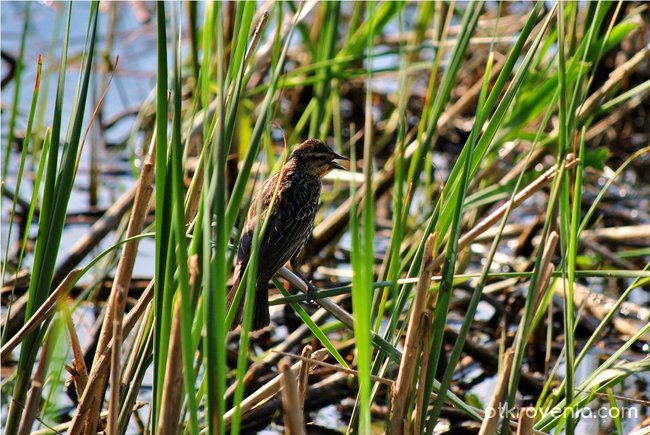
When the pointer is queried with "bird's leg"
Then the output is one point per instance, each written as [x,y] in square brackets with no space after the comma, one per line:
[311,288]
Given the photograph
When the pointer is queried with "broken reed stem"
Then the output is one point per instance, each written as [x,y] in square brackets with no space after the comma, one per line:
[41,314]
[293,418]
[526,421]
[79,371]
[303,374]
[374,378]
[547,269]
[401,390]
[492,417]
[268,390]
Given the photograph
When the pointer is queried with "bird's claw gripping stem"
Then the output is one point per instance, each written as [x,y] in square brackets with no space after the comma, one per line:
[312,291]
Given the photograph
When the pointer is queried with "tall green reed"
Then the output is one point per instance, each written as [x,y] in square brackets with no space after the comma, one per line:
[534,82]
[16,97]
[59,178]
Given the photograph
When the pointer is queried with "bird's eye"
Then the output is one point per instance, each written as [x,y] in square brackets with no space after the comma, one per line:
[314,157]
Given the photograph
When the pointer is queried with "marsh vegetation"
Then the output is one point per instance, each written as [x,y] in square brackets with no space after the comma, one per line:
[482,266]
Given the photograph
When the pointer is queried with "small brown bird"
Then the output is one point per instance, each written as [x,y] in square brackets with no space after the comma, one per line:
[290,223]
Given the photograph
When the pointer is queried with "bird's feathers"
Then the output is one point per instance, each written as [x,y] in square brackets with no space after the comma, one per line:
[290,220]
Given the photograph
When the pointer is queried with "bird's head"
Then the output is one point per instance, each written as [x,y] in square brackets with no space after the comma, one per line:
[316,157]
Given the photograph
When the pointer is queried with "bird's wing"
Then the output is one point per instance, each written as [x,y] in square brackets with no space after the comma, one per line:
[246,239]
[251,219]
[288,228]
[267,190]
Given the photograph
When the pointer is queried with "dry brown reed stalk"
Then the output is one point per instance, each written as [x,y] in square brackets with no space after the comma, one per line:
[294,339]
[79,371]
[33,402]
[112,328]
[549,340]
[268,390]
[513,173]
[425,343]
[121,284]
[133,373]
[337,368]
[608,255]
[292,411]
[616,115]
[42,314]
[615,78]
[492,417]
[545,279]
[303,375]
[526,421]
[546,268]
[401,390]
[257,34]
[619,234]
[102,364]
[172,394]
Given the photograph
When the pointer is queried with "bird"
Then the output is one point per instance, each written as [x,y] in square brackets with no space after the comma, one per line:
[290,223]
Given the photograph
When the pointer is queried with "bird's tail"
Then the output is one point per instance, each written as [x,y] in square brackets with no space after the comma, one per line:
[261,316]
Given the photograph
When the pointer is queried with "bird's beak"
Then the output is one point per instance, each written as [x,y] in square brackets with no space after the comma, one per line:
[337,165]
